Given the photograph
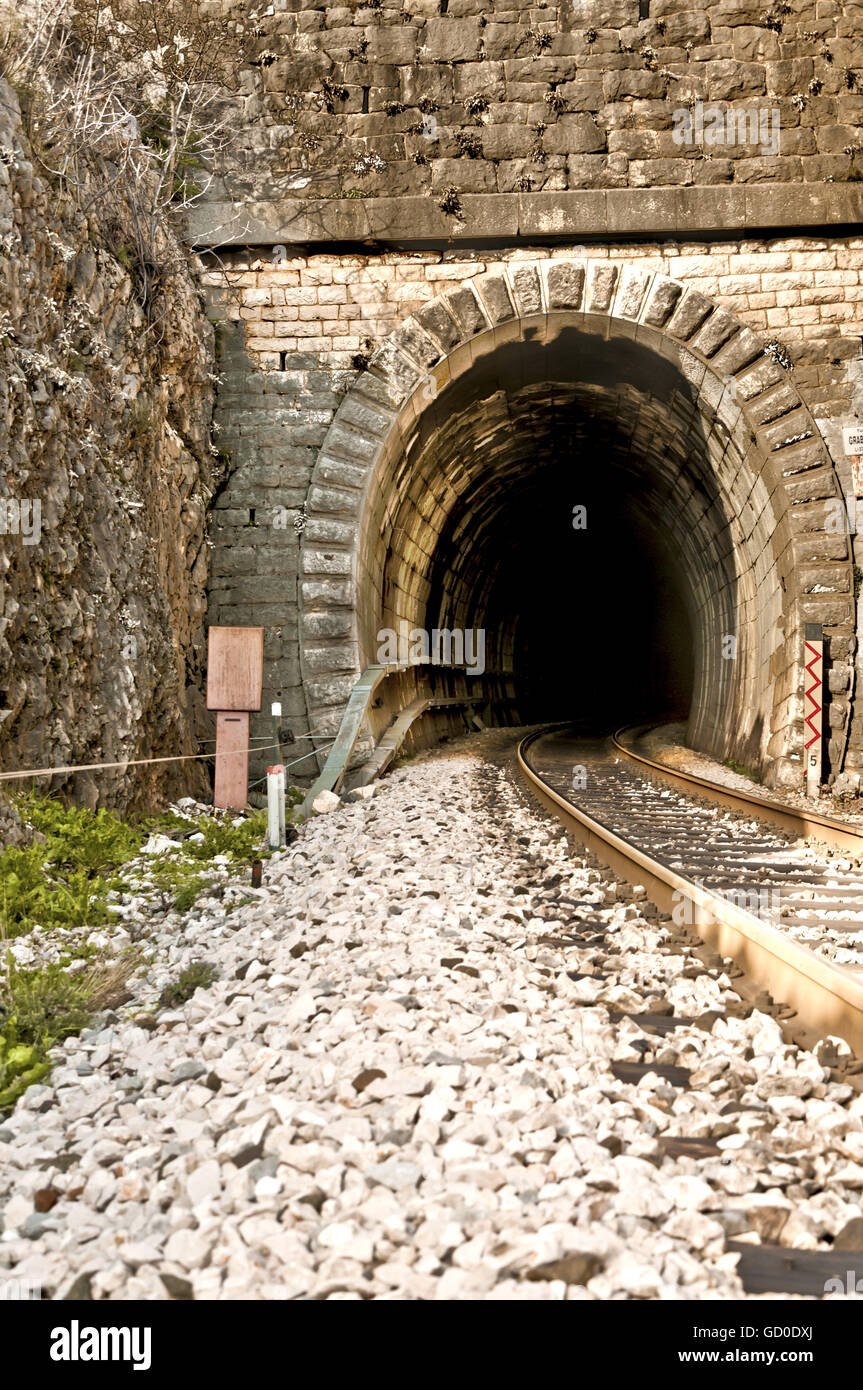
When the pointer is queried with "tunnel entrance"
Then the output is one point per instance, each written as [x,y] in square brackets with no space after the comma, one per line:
[455,470]
[550,515]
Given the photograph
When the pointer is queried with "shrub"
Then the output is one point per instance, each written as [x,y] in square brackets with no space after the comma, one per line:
[63,880]
[39,1008]
[186,896]
[199,975]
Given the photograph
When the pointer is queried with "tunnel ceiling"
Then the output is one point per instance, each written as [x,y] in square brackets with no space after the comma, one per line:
[522,459]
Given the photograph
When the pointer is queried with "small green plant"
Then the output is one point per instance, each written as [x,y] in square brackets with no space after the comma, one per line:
[174,873]
[142,420]
[95,841]
[476,106]
[858,580]
[541,38]
[331,92]
[21,1065]
[450,202]
[469,144]
[779,353]
[240,842]
[63,880]
[31,894]
[185,897]
[772,19]
[199,975]
[743,770]
[537,152]
[39,1008]
[46,1005]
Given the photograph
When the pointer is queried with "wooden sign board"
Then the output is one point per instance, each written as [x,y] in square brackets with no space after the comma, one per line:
[235,668]
[231,787]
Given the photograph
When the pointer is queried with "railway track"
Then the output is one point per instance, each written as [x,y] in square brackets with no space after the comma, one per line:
[780,891]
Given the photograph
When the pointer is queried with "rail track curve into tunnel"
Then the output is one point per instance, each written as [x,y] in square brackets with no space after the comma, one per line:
[777,889]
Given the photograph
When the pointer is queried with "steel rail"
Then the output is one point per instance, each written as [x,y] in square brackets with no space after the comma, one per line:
[827,998]
[827,829]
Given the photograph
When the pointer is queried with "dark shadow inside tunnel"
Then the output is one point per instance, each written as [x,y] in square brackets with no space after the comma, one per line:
[586,607]
[601,629]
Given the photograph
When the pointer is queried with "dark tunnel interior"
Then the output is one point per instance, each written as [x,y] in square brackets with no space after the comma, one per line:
[586,601]
[601,630]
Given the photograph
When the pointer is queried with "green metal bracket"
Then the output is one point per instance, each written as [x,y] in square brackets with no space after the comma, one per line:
[339,755]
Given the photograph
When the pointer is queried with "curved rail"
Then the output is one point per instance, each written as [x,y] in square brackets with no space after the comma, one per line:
[800,822]
[827,998]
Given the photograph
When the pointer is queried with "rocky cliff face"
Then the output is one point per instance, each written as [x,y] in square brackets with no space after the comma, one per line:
[106,468]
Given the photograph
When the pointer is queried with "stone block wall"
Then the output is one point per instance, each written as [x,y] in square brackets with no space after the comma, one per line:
[487,96]
[390,150]
[303,326]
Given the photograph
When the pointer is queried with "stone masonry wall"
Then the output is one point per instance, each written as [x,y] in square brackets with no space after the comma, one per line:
[303,326]
[102,615]
[489,96]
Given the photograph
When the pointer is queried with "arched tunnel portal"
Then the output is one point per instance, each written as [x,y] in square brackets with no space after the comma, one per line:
[604,502]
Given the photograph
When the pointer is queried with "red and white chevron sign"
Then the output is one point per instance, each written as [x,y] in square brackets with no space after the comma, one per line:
[813,712]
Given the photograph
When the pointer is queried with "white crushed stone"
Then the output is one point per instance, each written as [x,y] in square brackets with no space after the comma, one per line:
[400,1086]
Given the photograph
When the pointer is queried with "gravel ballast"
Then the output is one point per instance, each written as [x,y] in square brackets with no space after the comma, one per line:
[416,1076]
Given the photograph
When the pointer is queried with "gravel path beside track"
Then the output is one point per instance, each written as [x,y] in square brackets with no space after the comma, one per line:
[416,1076]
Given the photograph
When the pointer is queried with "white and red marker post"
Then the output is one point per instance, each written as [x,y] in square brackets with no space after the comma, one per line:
[276,806]
[813,714]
